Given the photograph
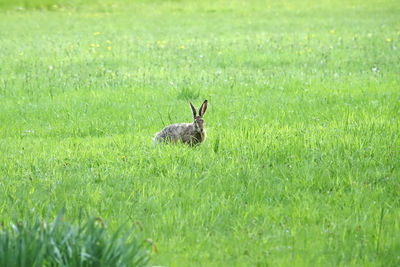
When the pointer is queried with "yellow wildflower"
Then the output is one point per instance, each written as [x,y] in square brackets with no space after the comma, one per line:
[97,33]
[109,48]
[388,40]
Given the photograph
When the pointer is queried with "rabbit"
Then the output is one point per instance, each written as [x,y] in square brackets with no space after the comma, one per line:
[188,133]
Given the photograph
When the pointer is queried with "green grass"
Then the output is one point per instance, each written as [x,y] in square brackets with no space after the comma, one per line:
[301,164]
[58,243]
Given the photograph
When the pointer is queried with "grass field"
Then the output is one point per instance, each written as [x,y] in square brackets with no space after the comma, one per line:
[302,162]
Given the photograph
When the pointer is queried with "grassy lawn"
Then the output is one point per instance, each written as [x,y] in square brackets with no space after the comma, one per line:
[302,162]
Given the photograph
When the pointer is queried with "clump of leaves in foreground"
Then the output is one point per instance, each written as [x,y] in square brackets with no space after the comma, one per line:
[40,243]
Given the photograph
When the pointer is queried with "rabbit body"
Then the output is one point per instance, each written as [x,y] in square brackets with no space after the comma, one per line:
[184,132]
[187,133]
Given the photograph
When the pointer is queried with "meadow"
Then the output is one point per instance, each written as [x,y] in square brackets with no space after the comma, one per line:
[301,165]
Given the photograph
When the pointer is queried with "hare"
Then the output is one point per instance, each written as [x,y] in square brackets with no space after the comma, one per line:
[188,133]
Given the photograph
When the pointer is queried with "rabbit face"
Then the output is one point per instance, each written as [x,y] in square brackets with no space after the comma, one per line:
[199,124]
[198,120]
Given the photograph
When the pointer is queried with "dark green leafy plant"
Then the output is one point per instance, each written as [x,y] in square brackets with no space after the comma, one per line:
[59,243]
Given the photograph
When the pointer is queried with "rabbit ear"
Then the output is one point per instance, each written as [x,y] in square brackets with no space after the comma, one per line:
[193,109]
[203,108]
